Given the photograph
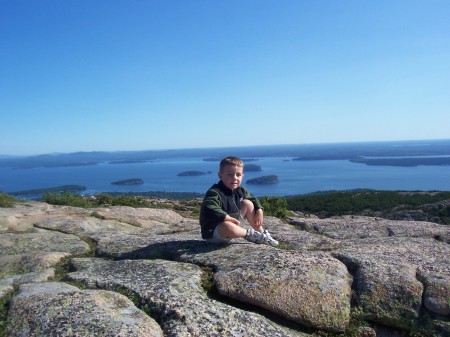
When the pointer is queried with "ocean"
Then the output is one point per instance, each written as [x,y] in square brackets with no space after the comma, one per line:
[295,177]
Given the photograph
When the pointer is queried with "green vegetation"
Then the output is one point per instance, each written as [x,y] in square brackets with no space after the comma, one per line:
[274,206]
[57,189]
[67,199]
[6,200]
[71,199]
[162,195]
[4,305]
[435,206]
[121,200]
[207,279]
[421,206]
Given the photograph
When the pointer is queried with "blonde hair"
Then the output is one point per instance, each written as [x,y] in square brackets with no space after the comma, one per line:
[231,161]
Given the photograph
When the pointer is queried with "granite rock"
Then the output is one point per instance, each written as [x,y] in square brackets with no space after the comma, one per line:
[173,293]
[59,309]
[329,276]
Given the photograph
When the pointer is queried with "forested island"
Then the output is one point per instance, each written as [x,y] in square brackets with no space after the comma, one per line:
[132,181]
[264,180]
[137,161]
[252,168]
[191,174]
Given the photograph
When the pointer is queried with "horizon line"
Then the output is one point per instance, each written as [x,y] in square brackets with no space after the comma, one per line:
[224,147]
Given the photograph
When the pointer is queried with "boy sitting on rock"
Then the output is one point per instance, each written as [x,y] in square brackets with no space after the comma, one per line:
[226,202]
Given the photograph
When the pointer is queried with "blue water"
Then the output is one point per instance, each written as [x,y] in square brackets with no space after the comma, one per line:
[295,177]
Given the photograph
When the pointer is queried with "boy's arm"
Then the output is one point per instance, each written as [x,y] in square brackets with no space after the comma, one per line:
[258,215]
[212,207]
[253,199]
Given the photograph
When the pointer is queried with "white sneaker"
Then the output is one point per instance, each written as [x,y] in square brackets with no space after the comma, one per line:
[260,238]
[254,236]
[269,240]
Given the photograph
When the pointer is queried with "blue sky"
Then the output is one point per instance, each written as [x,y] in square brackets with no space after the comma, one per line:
[90,75]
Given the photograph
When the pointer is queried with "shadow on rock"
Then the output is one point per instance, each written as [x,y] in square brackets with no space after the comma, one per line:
[172,250]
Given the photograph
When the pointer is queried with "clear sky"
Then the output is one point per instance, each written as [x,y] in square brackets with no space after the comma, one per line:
[106,75]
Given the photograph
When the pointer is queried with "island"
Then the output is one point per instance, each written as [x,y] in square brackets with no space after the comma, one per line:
[252,168]
[403,161]
[191,174]
[131,161]
[264,180]
[132,181]
[220,158]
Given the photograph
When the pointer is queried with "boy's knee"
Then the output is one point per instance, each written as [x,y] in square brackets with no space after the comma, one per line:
[247,206]
[247,210]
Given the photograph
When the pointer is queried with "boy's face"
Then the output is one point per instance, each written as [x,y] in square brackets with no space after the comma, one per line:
[231,176]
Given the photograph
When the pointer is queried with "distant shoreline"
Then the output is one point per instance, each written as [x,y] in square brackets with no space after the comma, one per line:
[401,153]
[407,162]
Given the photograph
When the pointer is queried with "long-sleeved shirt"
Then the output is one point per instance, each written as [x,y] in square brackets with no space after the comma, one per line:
[220,201]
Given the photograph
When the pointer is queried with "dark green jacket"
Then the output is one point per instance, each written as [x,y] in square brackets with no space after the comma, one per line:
[220,201]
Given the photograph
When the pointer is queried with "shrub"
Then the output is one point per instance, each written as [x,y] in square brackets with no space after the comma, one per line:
[132,201]
[67,199]
[104,199]
[371,202]
[6,200]
[274,206]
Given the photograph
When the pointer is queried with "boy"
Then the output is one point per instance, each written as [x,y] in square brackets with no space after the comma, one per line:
[226,202]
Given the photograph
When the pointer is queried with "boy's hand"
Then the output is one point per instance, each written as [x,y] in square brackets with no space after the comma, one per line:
[233,220]
[258,217]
